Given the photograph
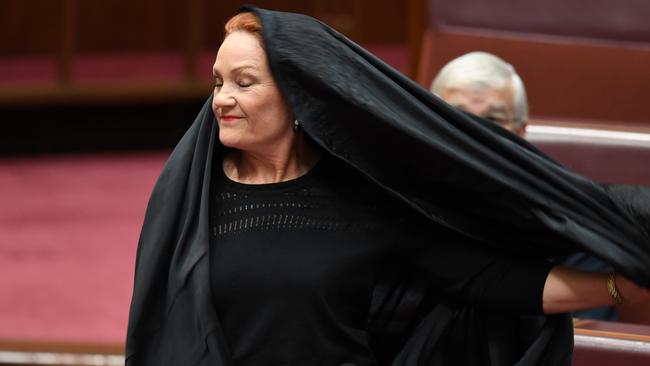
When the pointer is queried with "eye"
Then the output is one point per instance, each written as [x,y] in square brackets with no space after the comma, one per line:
[498,120]
[244,83]
[218,83]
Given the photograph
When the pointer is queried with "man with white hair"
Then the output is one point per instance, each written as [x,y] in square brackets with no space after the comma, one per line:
[487,86]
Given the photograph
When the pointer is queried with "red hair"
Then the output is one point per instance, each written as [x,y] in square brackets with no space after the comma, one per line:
[245,22]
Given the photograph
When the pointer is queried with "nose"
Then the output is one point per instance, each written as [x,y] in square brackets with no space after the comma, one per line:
[223,98]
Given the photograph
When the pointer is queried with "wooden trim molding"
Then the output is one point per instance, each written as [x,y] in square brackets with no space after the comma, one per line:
[14,352]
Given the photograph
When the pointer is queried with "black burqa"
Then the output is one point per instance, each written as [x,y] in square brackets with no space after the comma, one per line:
[462,173]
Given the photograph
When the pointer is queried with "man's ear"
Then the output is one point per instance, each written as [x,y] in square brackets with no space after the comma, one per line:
[521,130]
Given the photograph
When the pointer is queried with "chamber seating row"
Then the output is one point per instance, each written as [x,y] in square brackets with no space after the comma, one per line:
[584,59]
[596,344]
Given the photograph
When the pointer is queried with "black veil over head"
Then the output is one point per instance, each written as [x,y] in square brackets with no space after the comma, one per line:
[457,170]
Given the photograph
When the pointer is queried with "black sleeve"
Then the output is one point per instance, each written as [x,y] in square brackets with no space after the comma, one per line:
[634,199]
[462,270]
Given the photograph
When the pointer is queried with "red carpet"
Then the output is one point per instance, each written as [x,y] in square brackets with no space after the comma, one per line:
[68,234]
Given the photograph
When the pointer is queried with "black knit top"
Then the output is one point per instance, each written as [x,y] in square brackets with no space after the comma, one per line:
[294,265]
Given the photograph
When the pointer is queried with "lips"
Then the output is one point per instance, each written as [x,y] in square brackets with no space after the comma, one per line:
[229,119]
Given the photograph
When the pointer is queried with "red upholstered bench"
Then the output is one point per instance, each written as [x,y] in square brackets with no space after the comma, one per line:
[605,153]
[608,154]
[584,59]
[607,343]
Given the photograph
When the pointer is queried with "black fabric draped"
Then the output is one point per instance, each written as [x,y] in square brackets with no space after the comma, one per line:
[460,172]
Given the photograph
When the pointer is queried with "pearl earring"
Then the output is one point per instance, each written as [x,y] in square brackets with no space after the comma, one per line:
[296,125]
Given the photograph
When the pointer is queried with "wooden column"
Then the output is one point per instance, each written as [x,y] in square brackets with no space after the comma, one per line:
[418,14]
[346,16]
[68,41]
[194,39]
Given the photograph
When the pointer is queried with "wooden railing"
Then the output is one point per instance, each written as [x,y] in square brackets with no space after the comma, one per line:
[26,353]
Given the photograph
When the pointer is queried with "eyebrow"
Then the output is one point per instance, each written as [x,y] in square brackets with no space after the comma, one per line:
[236,69]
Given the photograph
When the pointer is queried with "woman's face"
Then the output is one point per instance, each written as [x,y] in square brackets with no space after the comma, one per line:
[250,110]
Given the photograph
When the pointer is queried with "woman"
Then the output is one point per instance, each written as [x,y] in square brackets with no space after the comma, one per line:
[310,206]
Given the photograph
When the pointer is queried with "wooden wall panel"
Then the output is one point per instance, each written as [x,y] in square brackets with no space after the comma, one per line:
[34,26]
[29,27]
[218,12]
[124,25]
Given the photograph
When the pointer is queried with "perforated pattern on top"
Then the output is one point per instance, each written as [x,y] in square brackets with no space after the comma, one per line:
[237,212]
